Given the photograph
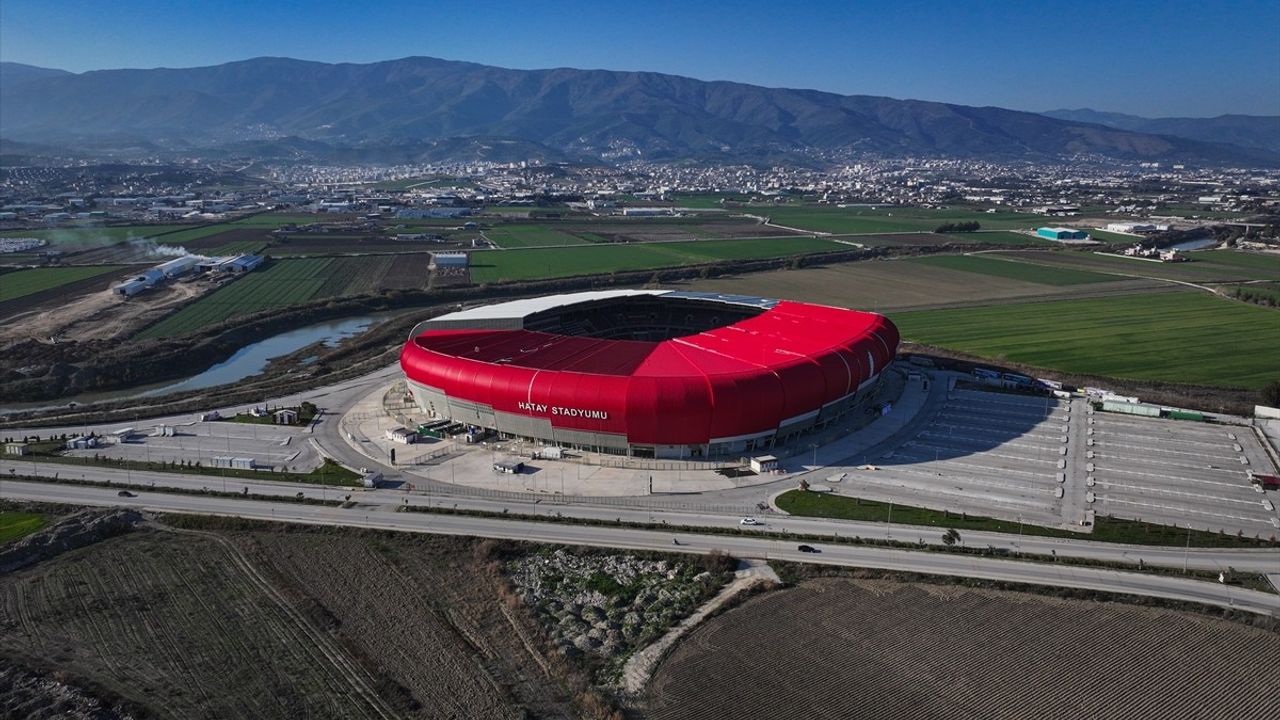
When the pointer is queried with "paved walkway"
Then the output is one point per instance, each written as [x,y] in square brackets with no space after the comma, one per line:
[640,666]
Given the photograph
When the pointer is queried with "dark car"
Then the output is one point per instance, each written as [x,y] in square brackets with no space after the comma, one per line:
[126,493]
[808,548]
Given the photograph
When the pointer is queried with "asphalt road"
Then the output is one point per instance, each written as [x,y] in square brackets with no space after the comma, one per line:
[384,517]
[1262,560]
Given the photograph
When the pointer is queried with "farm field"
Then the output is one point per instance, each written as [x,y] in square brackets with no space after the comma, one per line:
[929,238]
[1267,293]
[873,648]
[145,618]
[1112,237]
[453,650]
[28,282]
[293,281]
[660,229]
[1184,337]
[528,264]
[1011,268]
[73,236]
[902,284]
[844,221]
[521,236]
[283,283]
[1205,266]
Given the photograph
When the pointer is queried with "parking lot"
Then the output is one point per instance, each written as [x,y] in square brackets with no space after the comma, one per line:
[1176,472]
[270,446]
[983,453]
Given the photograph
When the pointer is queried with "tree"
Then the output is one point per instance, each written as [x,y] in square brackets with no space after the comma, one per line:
[1271,394]
[950,537]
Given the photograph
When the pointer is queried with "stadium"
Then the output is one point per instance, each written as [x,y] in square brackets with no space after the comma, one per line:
[649,373]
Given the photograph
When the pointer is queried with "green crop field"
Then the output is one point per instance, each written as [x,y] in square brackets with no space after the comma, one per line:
[283,283]
[530,264]
[71,236]
[1012,269]
[27,282]
[278,220]
[1188,337]
[1113,238]
[1256,262]
[523,236]
[14,525]
[1204,266]
[238,247]
[856,220]
[706,201]
[925,237]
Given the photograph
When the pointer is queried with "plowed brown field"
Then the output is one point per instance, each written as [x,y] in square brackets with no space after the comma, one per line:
[844,648]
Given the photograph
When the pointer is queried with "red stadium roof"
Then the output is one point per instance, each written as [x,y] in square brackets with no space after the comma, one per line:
[741,379]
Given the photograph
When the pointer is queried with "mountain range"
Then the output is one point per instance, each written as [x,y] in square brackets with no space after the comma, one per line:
[425,108]
[1248,131]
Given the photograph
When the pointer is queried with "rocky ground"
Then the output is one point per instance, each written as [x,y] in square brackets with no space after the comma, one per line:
[601,607]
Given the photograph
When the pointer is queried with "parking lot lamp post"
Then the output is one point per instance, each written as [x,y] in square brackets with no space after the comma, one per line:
[888,529]
[1019,534]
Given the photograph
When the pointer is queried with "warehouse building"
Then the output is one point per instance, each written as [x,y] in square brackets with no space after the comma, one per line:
[1062,233]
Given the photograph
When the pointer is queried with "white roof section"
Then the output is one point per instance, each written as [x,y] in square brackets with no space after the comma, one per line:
[528,306]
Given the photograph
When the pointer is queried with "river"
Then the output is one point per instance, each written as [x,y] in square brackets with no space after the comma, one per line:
[246,362]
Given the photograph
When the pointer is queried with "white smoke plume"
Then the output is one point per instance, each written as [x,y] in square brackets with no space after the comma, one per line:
[151,248]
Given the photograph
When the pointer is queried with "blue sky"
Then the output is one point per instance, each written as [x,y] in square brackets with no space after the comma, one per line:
[1147,58]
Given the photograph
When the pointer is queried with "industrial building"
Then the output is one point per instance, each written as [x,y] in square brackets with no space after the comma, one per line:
[649,373]
[178,267]
[1062,233]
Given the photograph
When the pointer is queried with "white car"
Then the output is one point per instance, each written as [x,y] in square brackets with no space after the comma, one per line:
[748,521]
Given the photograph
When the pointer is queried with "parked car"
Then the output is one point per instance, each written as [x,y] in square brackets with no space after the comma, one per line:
[808,548]
[126,493]
[748,521]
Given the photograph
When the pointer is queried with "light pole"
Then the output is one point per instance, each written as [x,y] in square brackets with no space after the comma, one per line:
[888,529]
[1186,552]
[815,453]
[1019,533]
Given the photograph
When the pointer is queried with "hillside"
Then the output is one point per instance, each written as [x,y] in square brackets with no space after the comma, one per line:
[1248,131]
[594,114]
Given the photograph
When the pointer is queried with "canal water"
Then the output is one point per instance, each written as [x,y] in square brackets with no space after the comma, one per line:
[246,362]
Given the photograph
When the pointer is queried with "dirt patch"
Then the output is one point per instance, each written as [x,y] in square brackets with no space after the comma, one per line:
[55,299]
[178,626]
[98,315]
[33,696]
[421,612]
[846,648]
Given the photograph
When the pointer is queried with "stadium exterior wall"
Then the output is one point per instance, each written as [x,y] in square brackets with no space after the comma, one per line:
[741,388]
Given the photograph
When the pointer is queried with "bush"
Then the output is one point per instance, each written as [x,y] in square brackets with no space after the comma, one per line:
[970,226]
[1271,394]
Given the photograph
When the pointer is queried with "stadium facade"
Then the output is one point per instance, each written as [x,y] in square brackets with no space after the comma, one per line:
[649,373]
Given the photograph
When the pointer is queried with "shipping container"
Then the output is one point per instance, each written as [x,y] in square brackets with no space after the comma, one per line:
[1131,408]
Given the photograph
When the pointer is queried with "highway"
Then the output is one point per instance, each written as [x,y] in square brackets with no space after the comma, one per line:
[1261,560]
[384,516]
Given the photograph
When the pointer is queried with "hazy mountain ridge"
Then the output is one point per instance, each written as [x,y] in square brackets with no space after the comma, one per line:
[1247,131]
[576,113]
